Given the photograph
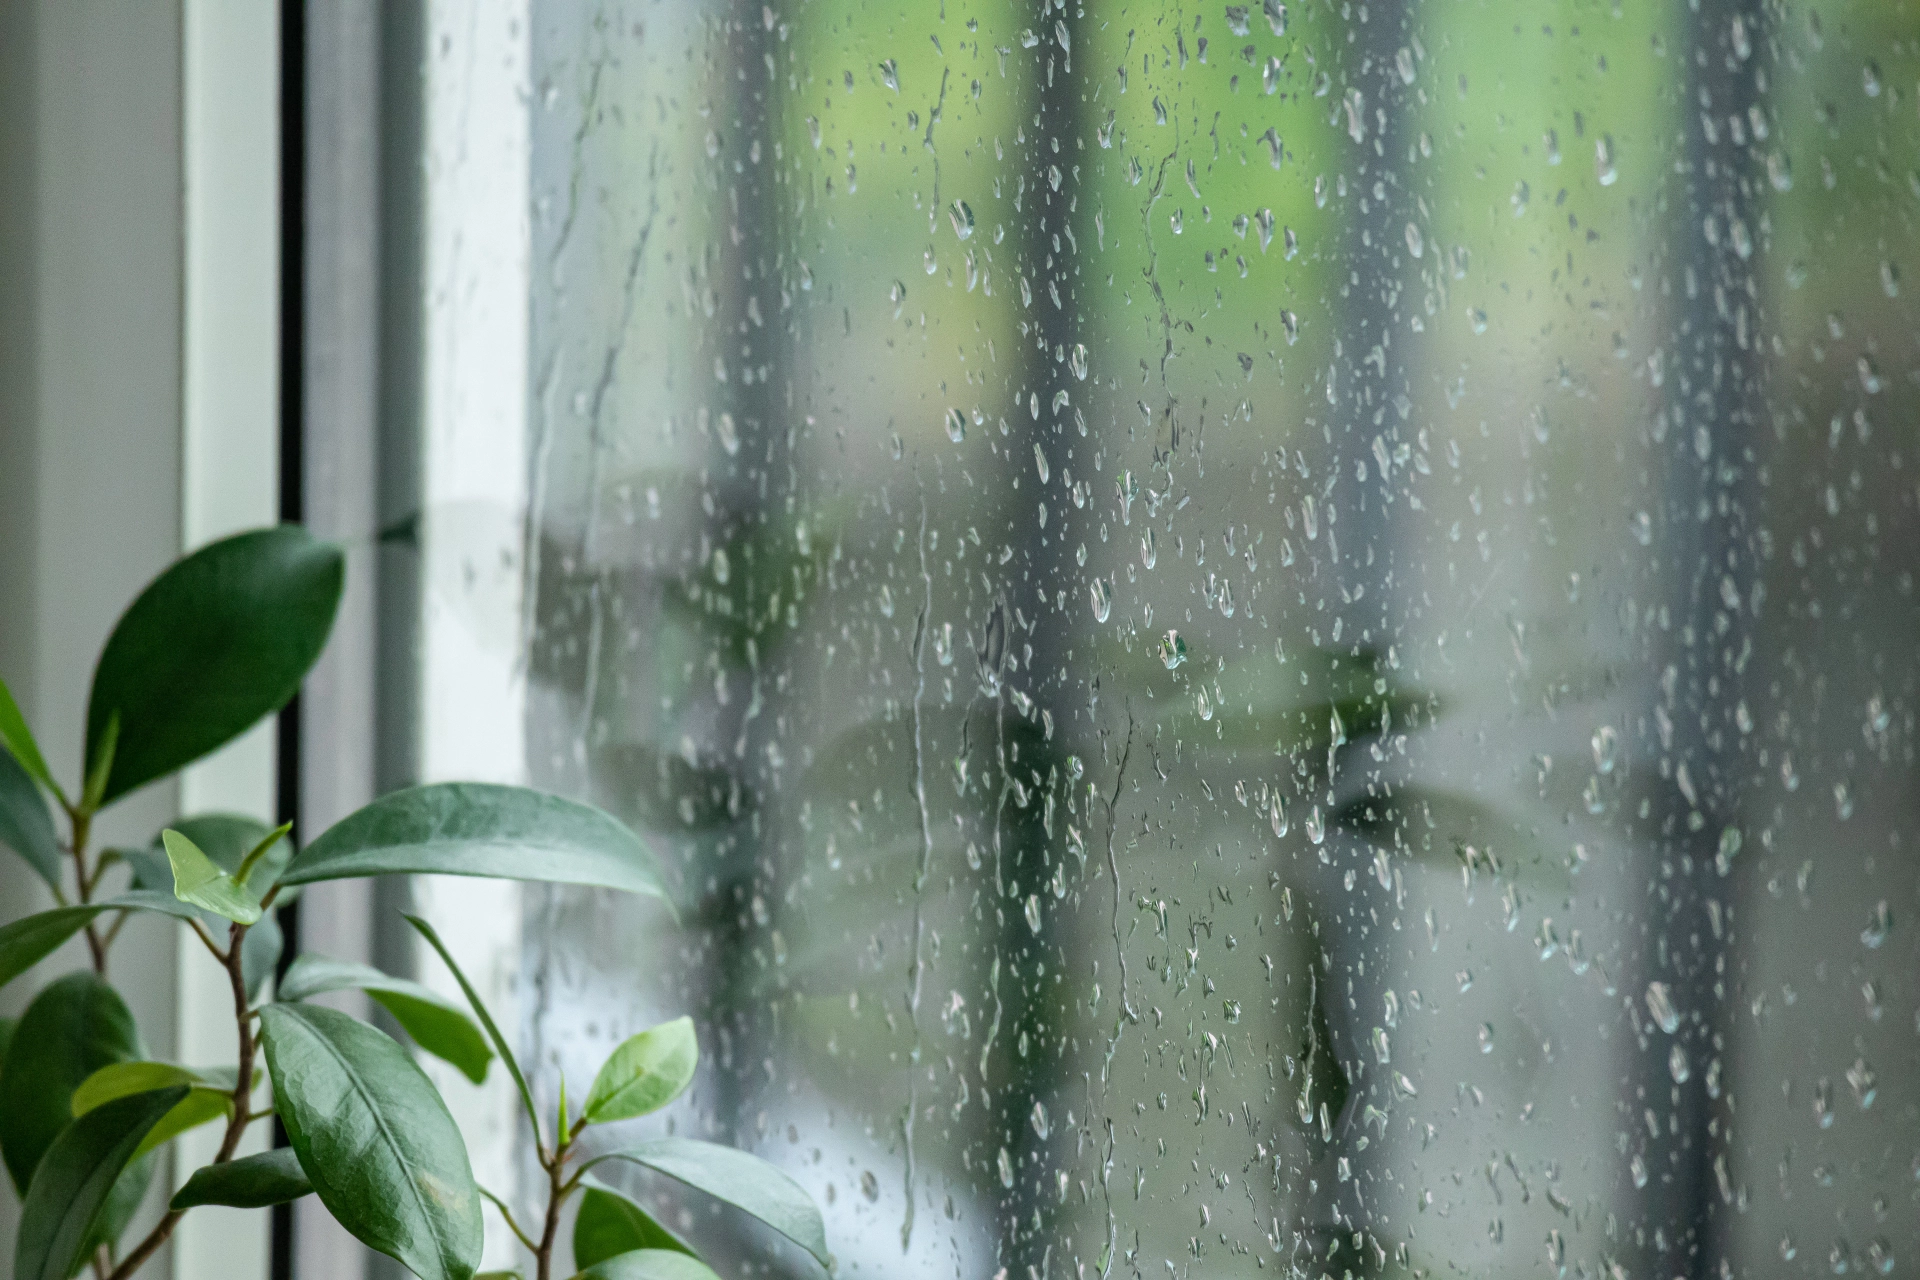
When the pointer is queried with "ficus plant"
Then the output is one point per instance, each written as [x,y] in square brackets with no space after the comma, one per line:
[218,641]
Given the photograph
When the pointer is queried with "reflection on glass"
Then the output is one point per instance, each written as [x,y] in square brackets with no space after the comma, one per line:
[1262,639]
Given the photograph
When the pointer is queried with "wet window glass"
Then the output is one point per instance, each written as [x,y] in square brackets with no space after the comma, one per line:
[1261,638]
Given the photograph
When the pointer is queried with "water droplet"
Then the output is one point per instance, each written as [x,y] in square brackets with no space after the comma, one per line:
[1605,746]
[1486,1037]
[1173,650]
[1147,553]
[1677,1065]
[1603,164]
[1005,1164]
[962,219]
[1077,361]
[1276,16]
[956,425]
[1861,1077]
[1730,841]
[722,568]
[1278,814]
[1033,912]
[1039,1118]
[869,1185]
[1660,1005]
[890,74]
[1040,461]
[1879,925]
[1316,825]
[1237,19]
[1102,599]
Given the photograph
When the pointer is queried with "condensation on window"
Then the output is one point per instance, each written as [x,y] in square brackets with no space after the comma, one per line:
[1261,638]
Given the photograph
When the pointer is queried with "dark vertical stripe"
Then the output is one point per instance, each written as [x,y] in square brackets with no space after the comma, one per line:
[293,246]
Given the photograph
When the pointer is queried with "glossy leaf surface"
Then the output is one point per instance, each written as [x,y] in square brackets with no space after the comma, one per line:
[26,941]
[650,1264]
[251,1182]
[219,640]
[374,1138]
[645,1073]
[76,1179]
[18,741]
[436,1024]
[481,829]
[742,1180]
[26,824]
[211,1095]
[610,1223]
[197,880]
[75,1026]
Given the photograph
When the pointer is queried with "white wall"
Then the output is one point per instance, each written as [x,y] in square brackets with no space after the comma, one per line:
[138,416]
[90,343]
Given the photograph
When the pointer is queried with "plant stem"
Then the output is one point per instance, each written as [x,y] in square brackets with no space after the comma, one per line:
[236,1122]
[556,1196]
[82,826]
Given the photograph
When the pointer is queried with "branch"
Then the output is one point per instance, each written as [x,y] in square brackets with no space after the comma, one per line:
[241,1114]
[512,1226]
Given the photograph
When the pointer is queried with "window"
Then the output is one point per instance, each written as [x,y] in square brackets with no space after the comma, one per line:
[1264,639]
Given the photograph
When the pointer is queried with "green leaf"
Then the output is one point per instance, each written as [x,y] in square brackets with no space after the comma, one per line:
[18,740]
[129,1190]
[435,1022]
[645,1073]
[479,829]
[500,1044]
[26,825]
[499,1275]
[100,755]
[610,1224]
[742,1180]
[211,1097]
[374,1138]
[226,839]
[219,640]
[75,1181]
[28,940]
[260,954]
[124,1079]
[6,1035]
[75,1026]
[251,1182]
[197,880]
[649,1264]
